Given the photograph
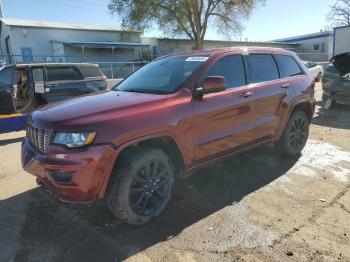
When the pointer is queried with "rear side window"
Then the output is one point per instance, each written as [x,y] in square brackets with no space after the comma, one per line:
[63,74]
[38,74]
[232,69]
[288,66]
[91,71]
[262,68]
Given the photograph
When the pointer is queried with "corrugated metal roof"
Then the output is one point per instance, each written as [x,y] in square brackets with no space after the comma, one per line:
[306,37]
[63,25]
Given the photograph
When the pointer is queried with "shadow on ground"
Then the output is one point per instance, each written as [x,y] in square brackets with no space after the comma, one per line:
[6,142]
[336,117]
[53,231]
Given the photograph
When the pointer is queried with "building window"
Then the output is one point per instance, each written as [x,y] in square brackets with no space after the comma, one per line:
[317,47]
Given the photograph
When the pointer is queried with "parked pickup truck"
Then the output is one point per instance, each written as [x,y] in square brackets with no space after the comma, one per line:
[170,118]
[25,87]
[316,71]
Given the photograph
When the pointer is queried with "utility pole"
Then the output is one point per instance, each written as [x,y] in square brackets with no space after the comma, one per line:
[1,9]
[2,54]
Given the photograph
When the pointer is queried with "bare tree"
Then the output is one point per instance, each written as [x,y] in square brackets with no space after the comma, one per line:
[185,17]
[339,14]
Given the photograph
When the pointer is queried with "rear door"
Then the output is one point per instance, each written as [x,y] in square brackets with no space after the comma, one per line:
[270,91]
[224,121]
[7,90]
[63,82]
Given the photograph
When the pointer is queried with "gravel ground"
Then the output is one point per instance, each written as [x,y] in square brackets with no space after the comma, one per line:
[253,207]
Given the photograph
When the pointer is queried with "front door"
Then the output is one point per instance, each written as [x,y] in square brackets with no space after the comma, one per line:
[7,90]
[224,121]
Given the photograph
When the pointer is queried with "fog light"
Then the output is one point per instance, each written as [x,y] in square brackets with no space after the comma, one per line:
[62,177]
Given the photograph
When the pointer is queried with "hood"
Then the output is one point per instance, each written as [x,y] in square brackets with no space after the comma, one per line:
[94,108]
[342,63]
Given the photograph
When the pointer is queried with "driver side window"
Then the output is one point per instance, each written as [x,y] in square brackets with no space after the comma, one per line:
[232,69]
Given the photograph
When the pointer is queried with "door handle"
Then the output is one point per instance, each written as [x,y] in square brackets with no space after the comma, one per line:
[246,94]
[285,85]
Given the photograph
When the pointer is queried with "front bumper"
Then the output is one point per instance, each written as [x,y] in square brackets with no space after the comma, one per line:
[340,96]
[90,168]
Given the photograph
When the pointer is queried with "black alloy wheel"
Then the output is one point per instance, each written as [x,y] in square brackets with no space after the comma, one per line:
[150,188]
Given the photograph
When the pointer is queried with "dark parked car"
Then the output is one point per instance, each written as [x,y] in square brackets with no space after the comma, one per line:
[25,87]
[173,116]
[336,81]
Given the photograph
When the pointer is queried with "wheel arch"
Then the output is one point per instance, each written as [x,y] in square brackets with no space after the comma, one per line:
[307,106]
[165,142]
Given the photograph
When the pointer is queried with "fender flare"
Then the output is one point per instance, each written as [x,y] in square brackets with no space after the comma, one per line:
[121,147]
[293,106]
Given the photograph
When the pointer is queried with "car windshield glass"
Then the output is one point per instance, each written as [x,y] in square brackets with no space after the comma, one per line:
[162,76]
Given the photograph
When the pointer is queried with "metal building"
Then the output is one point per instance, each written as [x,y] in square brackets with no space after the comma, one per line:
[341,40]
[42,41]
[316,47]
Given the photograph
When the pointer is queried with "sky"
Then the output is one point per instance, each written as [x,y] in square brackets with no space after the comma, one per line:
[276,19]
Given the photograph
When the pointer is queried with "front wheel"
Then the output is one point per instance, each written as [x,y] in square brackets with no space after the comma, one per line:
[141,188]
[295,135]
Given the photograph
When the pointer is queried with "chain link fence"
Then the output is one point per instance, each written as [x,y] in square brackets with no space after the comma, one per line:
[113,70]
[315,57]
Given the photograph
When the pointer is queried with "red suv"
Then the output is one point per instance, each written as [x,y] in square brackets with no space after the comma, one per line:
[173,116]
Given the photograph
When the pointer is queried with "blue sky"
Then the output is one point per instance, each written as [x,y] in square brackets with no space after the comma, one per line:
[277,19]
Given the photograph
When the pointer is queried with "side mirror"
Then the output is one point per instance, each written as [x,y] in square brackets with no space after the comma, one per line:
[211,84]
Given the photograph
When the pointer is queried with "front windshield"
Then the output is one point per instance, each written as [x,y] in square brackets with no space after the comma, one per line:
[162,76]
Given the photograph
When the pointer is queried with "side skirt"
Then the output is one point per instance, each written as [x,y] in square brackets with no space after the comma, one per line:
[225,156]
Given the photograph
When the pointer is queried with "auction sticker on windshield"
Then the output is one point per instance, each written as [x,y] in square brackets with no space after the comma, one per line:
[197,59]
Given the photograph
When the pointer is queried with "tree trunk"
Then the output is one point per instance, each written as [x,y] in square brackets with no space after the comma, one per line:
[198,45]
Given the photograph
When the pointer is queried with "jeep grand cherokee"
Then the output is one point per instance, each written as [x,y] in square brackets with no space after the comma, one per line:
[173,116]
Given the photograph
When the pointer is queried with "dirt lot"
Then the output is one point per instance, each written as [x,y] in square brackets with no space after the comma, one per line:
[253,207]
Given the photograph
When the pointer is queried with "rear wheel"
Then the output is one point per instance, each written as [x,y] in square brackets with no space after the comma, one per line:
[141,188]
[295,135]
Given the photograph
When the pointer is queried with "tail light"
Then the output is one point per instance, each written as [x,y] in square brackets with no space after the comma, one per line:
[103,78]
[313,84]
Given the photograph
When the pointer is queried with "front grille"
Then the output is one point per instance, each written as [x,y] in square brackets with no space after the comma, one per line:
[39,138]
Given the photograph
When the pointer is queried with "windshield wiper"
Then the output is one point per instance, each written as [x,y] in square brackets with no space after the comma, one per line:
[134,90]
[144,91]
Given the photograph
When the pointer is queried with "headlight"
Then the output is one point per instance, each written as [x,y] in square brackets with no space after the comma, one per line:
[74,139]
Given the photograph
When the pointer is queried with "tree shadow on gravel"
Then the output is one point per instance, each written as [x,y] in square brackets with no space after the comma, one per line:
[53,231]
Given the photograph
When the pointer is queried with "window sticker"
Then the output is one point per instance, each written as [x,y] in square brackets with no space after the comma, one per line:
[197,59]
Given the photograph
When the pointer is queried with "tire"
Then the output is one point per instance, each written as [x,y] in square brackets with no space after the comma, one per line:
[324,100]
[141,188]
[29,106]
[295,135]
